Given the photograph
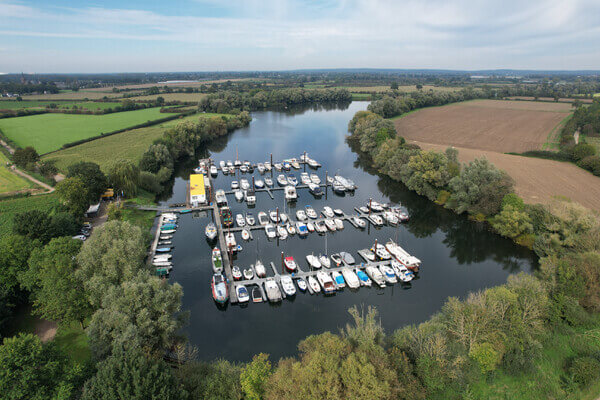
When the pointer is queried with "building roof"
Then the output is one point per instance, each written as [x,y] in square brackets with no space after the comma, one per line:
[197,185]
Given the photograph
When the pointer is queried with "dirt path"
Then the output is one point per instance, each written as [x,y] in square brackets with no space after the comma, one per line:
[25,175]
[45,330]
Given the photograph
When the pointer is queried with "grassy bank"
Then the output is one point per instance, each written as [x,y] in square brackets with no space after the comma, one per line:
[8,208]
[42,104]
[10,182]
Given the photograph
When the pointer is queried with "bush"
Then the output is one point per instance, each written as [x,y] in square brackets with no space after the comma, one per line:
[150,182]
[591,163]
[26,156]
[585,370]
[47,169]
[581,151]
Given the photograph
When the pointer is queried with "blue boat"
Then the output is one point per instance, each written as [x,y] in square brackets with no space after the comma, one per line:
[163,249]
[364,279]
[168,227]
[339,280]
[185,211]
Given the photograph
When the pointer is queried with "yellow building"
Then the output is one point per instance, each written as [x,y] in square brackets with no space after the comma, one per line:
[197,190]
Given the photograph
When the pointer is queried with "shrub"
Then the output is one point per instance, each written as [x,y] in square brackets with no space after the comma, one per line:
[585,370]
[511,222]
[23,157]
[442,197]
[581,151]
[150,182]
[591,163]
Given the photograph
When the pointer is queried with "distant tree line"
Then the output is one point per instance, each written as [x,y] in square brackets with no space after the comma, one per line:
[26,88]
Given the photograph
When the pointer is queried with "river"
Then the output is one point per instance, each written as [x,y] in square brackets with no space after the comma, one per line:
[458,255]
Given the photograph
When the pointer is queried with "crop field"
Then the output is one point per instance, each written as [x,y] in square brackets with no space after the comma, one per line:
[170,84]
[79,95]
[128,145]
[192,97]
[8,208]
[411,88]
[10,182]
[48,132]
[41,104]
[550,99]
[493,125]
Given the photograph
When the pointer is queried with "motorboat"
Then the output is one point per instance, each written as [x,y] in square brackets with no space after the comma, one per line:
[290,193]
[375,206]
[314,178]
[219,288]
[310,212]
[305,178]
[312,163]
[359,222]
[345,182]
[246,234]
[409,261]
[268,166]
[282,180]
[272,290]
[291,179]
[260,270]
[168,227]
[283,217]
[220,197]
[314,284]
[217,260]
[163,249]
[301,215]
[381,252]
[326,282]
[244,184]
[243,169]
[274,215]
[310,226]
[230,241]
[328,212]
[376,275]
[390,218]
[167,231]
[291,229]
[222,163]
[376,219]
[240,220]
[242,294]
[338,189]
[248,274]
[287,285]
[235,185]
[282,232]
[339,224]
[286,166]
[162,257]
[368,255]
[166,237]
[237,163]
[213,170]
[278,166]
[363,278]
[301,228]
[210,231]
[164,242]
[270,231]
[200,170]
[262,218]
[338,279]
[250,197]
[339,212]
[259,184]
[388,273]
[239,195]
[236,272]
[269,182]
[347,257]
[402,272]
[250,221]
[351,279]
[320,227]
[330,225]
[337,259]
[256,295]
[261,168]
[364,209]
[313,261]
[290,264]
[315,189]
[301,284]
[330,180]
[324,260]
[295,164]
[229,164]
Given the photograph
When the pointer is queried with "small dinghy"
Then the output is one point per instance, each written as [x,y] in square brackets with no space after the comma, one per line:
[246,234]
[259,184]
[313,261]
[239,195]
[256,295]
[262,218]
[259,267]
[301,284]
[248,274]
[236,272]
[210,231]
[165,242]
[250,221]
[235,185]
[163,249]
[301,215]
[166,237]
[310,226]
[291,229]
[242,294]
[324,260]
[314,284]
[269,182]
[337,259]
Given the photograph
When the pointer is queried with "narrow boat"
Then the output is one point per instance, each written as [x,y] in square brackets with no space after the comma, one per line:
[313,261]
[290,193]
[339,224]
[388,273]
[240,220]
[210,231]
[287,285]
[363,278]
[162,264]
[242,294]
[291,179]
[320,227]
[315,190]
[328,212]
[326,282]
[166,237]
[301,284]
[235,185]
[272,290]
[314,178]
[246,234]
[217,260]
[167,231]
[337,259]
[167,227]
[301,215]
[330,225]
[219,288]
[351,279]
[269,182]
[376,276]
[409,261]
[282,232]
[310,212]
[301,228]
[164,242]
[239,195]
[256,295]
[290,264]
[310,226]
[305,178]
[259,267]
[262,218]
[338,279]
[259,184]
[314,284]
[347,257]
[359,222]
[324,260]
[236,272]
[248,274]
[281,180]
[250,219]
[270,231]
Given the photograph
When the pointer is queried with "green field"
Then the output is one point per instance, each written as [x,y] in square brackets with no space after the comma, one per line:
[10,182]
[87,105]
[8,208]
[129,145]
[48,132]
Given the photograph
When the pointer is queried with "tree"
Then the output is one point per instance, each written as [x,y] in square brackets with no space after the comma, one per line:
[512,223]
[30,370]
[24,157]
[254,377]
[486,357]
[113,254]
[34,224]
[160,101]
[124,176]
[63,224]
[56,294]
[215,380]
[426,173]
[139,312]
[91,176]
[419,86]
[130,374]
[74,195]
[156,157]
[581,151]
[394,86]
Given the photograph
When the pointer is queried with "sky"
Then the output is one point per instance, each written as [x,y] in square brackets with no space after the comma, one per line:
[42,36]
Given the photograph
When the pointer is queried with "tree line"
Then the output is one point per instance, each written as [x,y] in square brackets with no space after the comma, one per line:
[586,123]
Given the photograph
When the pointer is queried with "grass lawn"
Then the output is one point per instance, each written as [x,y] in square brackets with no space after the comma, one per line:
[88,105]
[191,97]
[129,145]
[361,96]
[8,208]
[10,182]
[48,132]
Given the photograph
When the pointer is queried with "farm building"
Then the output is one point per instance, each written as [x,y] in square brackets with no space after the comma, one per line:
[197,190]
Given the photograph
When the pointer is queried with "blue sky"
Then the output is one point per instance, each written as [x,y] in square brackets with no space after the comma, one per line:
[208,35]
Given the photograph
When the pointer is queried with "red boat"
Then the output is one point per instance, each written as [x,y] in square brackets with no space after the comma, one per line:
[290,264]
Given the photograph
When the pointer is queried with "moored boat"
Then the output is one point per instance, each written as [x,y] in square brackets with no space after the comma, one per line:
[310,212]
[409,261]
[290,264]
[326,282]
[256,295]
[313,261]
[236,272]
[242,294]
[217,260]
[219,288]
[347,257]
[338,279]
[388,273]
[272,290]
[337,259]
[375,275]
[301,284]
[363,278]
[351,279]
[248,273]
[314,284]
[287,285]
[259,267]
[324,260]
[210,231]
[262,218]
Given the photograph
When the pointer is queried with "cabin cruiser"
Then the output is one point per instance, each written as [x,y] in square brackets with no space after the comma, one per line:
[286,166]
[269,182]
[290,193]
[229,164]
[388,273]
[268,166]
[220,197]
[259,184]
[219,288]
[320,227]
[295,164]
[312,163]
[222,164]
[301,284]
[213,170]
[339,224]
[313,261]
[338,189]
[290,228]
[282,232]
[290,264]
[235,185]
[239,195]
[246,234]
[230,241]
[236,272]
[347,257]
[390,218]
[262,218]
[250,197]
[287,285]
[272,290]
[410,262]
[402,272]
[256,295]
[314,284]
[337,259]
[376,220]
[330,180]
[310,226]
[364,209]
[261,168]
[314,178]
[248,274]
[210,231]
[315,189]
[259,267]
[291,179]
[381,252]
[243,169]
[250,219]
[217,260]
[244,184]
[359,222]
[328,212]
[375,206]
[282,180]
[346,183]
[363,278]
[273,214]
[240,220]
[301,228]
[301,215]
[237,163]
[351,279]
[338,211]
[326,282]
[242,294]
[376,275]
[310,212]
[270,231]
[338,279]
[278,166]
[368,255]
[305,178]
[324,260]
[330,225]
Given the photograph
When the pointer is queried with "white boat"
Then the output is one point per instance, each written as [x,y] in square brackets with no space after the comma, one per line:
[229,164]
[305,178]
[310,212]
[278,166]
[350,278]
[270,231]
[220,197]
[328,212]
[301,215]
[295,164]
[330,225]
[363,278]
[313,261]
[240,220]
[246,234]
[268,166]
[326,282]
[237,163]
[315,190]
[338,189]
[339,224]
[291,229]
[210,231]
[346,183]
[274,216]
[314,178]
[213,170]
[282,180]
[235,185]
[301,228]
[310,226]
[301,284]
[287,285]
[376,219]
[376,276]
[230,241]
[167,231]
[375,206]
[259,267]
[272,290]
[165,242]
[347,257]
[243,169]
[290,264]
[282,232]
[358,221]
[338,211]
[242,294]
[262,218]
[283,217]
[390,218]
[259,184]
[250,197]
[250,219]
[320,227]
[314,284]
[236,272]
[409,261]
[269,182]
[364,209]
[290,193]
[388,273]
[324,260]
[221,164]
[239,195]
[217,260]
[291,179]
[244,184]
[368,255]
[402,272]
[338,279]
[261,168]
[162,257]
[165,237]
[248,274]
[381,252]
[312,163]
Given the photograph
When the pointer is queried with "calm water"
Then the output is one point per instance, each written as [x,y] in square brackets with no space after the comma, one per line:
[458,255]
